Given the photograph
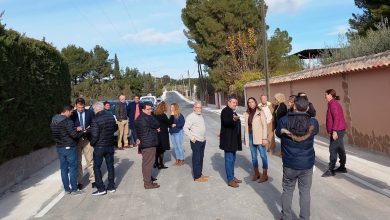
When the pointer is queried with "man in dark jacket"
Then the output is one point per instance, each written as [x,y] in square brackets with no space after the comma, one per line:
[82,118]
[103,127]
[311,111]
[133,111]
[296,131]
[64,135]
[146,127]
[230,139]
[122,120]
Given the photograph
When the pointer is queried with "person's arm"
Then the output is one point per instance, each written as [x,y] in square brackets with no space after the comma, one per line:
[227,118]
[312,111]
[166,120]
[263,125]
[71,131]
[152,123]
[280,125]
[94,131]
[187,126]
[335,111]
[180,122]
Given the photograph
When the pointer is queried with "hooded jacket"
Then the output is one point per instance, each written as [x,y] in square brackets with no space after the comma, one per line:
[296,131]
[63,131]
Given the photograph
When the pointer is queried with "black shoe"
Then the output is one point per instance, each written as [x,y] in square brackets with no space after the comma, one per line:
[80,186]
[153,179]
[93,185]
[341,170]
[99,193]
[328,173]
[162,167]
[111,190]
[155,166]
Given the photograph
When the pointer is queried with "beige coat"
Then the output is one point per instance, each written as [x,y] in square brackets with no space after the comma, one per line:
[259,128]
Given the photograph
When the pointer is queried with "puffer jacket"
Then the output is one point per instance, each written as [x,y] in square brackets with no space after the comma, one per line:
[63,131]
[103,127]
[296,131]
[146,129]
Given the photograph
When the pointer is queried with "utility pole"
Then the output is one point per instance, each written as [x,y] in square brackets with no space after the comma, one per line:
[189,83]
[265,49]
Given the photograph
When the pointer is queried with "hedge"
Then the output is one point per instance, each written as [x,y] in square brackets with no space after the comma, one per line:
[34,85]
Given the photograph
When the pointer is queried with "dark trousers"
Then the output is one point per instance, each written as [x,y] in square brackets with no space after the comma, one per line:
[197,157]
[336,147]
[290,177]
[108,154]
[148,156]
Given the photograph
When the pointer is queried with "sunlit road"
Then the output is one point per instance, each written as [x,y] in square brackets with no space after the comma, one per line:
[179,197]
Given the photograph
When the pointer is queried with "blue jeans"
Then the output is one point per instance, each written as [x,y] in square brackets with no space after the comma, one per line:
[108,154]
[133,136]
[230,159]
[290,177]
[197,157]
[68,166]
[262,151]
[177,142]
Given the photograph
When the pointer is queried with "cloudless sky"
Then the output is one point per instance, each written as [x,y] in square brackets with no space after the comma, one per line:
[148,34]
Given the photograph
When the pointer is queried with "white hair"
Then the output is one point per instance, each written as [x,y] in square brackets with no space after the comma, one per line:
[98,106]
[197,103]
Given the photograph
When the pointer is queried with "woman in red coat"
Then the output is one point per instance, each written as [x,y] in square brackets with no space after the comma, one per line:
[335,126]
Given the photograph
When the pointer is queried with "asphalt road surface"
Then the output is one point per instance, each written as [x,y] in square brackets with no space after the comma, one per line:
[179,197]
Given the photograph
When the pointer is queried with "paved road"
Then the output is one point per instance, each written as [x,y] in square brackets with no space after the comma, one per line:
[181,198]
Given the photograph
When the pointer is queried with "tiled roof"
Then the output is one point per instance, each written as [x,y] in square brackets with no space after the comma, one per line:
[378,60]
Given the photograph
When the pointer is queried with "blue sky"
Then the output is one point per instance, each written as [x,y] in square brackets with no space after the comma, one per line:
[148,34]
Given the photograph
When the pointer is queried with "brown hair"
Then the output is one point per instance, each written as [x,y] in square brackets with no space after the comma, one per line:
[247,104]
[177,109]
[161,108]
[332,92]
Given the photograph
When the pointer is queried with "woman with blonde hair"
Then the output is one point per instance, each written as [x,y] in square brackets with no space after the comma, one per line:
[256,137]
[163,135]
[176,132]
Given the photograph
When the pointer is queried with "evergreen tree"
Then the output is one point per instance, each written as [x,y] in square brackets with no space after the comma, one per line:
[117,73]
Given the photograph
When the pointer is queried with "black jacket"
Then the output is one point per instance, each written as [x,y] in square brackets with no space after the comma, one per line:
[146,129]
[312,111]
[121,111]
[63,131]
[281,110]
[163,135]
[230,136]
[102,130]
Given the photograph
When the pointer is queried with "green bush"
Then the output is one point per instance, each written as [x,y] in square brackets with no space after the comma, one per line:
[34,85]
[374,42]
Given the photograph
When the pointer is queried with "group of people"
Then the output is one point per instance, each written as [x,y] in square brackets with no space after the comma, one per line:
[83,132]
[296,126]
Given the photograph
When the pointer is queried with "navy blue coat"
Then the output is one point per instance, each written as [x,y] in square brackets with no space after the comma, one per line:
[298,155]
[88,118]
[131,113]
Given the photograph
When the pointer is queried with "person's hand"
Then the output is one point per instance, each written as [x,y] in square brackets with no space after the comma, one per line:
[264,142]
[236,117]
[137,141]
[79,128]
[334,135]
[158,130]
[173,125]
[193,140]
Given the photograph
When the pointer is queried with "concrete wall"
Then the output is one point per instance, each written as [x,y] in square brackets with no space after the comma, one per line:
[20,168]
[363,98]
